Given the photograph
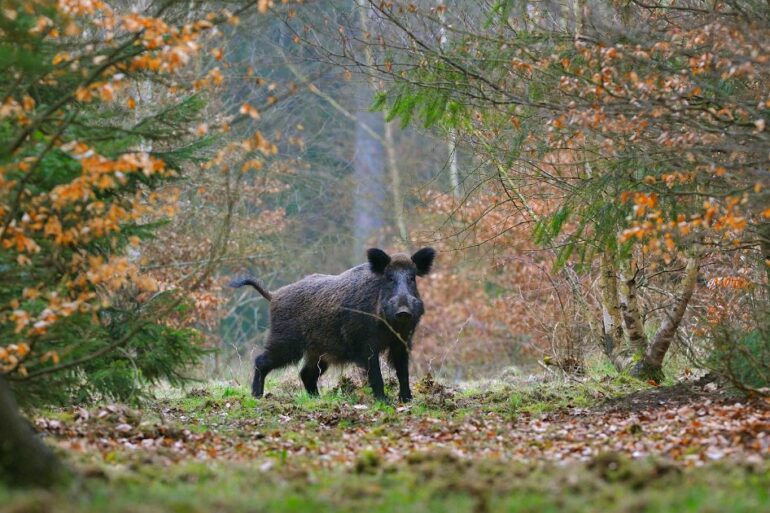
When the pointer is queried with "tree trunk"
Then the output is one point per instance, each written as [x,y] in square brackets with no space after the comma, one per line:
[395,183]
[454,170]
[629,308]
[24,459]
[651,366]
[368,175]
[763,232]
[580,8]
[369,159]
[613,327]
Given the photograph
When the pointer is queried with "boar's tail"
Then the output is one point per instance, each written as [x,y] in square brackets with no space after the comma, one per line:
[240,282]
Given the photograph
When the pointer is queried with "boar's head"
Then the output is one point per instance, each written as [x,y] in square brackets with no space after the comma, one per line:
[400,301]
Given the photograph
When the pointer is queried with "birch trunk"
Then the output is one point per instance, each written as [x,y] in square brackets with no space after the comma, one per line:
[613,327]
[454,170]
[629,308]
[651,366]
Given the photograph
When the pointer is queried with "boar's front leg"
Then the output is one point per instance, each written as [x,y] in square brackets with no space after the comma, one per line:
[373,372]
[399,359]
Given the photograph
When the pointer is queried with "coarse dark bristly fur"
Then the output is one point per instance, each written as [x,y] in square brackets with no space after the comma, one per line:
[352,317]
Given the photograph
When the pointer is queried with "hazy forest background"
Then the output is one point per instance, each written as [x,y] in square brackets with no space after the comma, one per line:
[593,174]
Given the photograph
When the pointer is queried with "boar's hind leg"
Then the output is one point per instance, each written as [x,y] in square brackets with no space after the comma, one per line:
[262,366]
[266,362]
[311,371]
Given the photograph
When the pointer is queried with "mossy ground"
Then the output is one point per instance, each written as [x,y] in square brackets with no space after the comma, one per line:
[435,481]
[560,445]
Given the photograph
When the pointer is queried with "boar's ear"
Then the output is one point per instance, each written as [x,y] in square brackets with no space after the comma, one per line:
[423,259]
[378,260]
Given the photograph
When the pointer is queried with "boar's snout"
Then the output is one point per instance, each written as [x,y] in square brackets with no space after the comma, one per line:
[403,309]
[403,313]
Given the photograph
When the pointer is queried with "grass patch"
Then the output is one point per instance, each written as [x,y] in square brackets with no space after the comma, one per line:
[543,397]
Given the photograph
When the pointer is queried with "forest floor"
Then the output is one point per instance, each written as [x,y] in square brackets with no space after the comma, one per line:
[563,445]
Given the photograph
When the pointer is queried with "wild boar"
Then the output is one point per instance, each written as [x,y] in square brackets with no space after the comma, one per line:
[352,317]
